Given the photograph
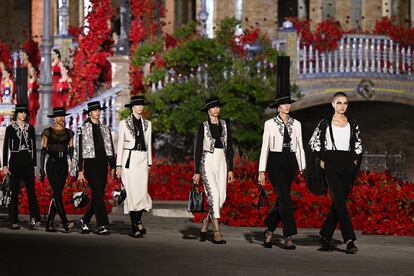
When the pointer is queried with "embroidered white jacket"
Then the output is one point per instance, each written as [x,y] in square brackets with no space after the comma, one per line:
[273,141]
[126,139]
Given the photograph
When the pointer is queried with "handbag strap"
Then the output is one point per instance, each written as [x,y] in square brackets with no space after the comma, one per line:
[195,187]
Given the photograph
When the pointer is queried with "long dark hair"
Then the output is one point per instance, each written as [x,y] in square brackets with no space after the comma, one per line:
[57,52]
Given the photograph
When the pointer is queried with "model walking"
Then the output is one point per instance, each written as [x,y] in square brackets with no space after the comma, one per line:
[281,154]
[134,157]
[338,143]
[20,141]
[94,151]
[57,146]
[213,158]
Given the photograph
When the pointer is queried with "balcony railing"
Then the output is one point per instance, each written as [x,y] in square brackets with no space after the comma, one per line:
[357,55]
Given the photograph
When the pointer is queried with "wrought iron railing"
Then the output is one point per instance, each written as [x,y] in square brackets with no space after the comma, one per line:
[395,163]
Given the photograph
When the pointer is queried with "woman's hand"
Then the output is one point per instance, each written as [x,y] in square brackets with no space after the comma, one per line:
[6,170]
[196,178]
[262,178]
[119,172]
[230,177]
[322,164]
[81,177]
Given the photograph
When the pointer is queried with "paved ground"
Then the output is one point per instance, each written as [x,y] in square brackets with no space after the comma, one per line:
[172,248]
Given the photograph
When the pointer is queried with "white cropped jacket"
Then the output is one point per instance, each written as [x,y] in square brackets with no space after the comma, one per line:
[273,140]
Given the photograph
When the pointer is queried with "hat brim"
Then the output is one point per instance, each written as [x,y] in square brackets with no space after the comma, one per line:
[22,110]
[276,103]
[58,115]
[100,108]
[132,104]
[206,108]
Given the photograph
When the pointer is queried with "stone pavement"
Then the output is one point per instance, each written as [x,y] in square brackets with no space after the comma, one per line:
[172,248]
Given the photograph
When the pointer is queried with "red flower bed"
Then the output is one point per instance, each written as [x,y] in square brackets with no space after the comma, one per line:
[379,203]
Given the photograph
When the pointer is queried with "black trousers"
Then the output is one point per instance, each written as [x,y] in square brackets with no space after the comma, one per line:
[96,171]
[22,169]
[340,175]
[57,172]
[281,168]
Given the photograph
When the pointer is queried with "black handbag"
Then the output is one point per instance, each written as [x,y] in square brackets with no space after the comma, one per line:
[5,192]
[80,198]
[262,200]
[119,193]
[195,200]
[315,175]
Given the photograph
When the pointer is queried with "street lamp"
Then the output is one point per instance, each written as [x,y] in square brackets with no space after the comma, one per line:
[203,15]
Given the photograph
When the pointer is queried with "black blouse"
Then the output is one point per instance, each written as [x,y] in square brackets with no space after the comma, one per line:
[99,142]
[139,134]
[216,131]
[58,140]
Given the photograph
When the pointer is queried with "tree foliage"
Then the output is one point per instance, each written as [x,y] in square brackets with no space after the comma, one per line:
[175,109]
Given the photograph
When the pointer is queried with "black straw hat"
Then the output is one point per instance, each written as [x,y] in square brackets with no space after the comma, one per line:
[282,82]
[212,102]
[21,108]
[58,112]
[137,100]
[94,106]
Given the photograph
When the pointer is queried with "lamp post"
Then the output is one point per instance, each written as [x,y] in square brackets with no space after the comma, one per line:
[63,18]
[46,88]
[123,44]
[203,15]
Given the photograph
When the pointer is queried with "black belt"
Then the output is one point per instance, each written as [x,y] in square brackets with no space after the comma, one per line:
[58,155]
[139,147]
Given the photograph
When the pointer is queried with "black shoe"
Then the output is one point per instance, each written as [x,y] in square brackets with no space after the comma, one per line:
[34,224]
[67,227]
[289,245]
[84,227]
[220,241]
[14,226]
[203,236]
[50,228]
[103,231]
[351,248]
[326,245]
[137,234]
[143,231]
[270,243]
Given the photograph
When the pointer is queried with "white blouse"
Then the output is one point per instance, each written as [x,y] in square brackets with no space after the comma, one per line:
[342,136]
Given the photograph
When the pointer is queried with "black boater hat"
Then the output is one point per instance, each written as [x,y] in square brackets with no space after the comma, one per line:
[137,100]
[57,112]
[211,102]
[282,82]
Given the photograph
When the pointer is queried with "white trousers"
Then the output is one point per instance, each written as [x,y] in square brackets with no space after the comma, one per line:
[213,170]
[135,180]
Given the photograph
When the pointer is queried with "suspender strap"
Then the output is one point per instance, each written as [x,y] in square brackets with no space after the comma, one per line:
[332,137]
